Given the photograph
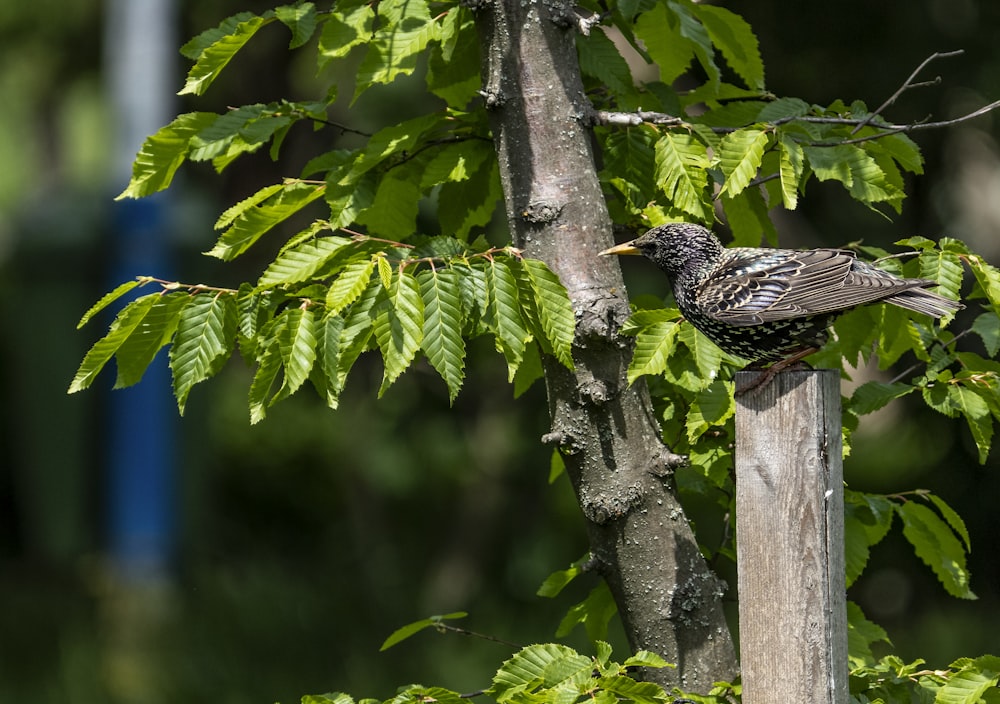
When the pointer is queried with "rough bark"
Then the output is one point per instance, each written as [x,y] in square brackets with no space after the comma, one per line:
[621,471]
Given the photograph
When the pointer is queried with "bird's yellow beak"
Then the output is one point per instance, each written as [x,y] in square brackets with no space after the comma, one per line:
[625,248]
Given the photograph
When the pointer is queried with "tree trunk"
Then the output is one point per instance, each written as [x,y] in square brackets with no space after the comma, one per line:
[621,471]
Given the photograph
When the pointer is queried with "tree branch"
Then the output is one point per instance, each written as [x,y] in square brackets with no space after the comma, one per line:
[908,84]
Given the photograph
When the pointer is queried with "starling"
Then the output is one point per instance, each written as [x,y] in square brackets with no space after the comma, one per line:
[771,305]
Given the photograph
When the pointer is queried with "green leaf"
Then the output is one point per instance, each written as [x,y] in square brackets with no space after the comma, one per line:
[393,213]
[873,395]
[600,58]
[968,401]
[736,40]
[955,521]
[343,30]
[740,154]
[629,158]
[504,314]
[268,368]
[655,339]
[214,57]
[694,31]
[328,338]
[126,323]
[545,665]
[986,325]
[254,220]
[205,337]
[791,165]
[555,312]
[136,353]
[109,298]
[404,632]
[406,28]
[297,346]
[972,681]
[682,171]
[300,19]
[558,580]
[302,262]
[398,326]
[935,544]
[671,52]
[162,154]
[711,407]
[453,67]
[443,342]
[627,689]
[353,279]
[943,267]
[594,613]
[357,332]
[465,205]
[645,658]
[861,633]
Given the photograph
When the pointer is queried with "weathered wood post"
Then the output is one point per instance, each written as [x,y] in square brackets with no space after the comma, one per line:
[790,540]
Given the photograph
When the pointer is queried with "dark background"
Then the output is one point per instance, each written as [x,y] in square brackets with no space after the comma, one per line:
[301,543]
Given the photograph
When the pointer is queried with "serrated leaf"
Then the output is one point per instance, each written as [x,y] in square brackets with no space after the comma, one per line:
[453,64]
[558,580]
[329,334]
[297,347]
[214,57]
[384,272]
[971,682]
[268,368]
[357,332]
[975,409]
[600,58]
[861,633]
[302,262]
[158,326]
[257,219]
[163,153]
[443,342]
[300,20]
[594,613]
[398,326]
[646,658]
[406,29]
[712,406]
[410,629]
[504,314]
[393,212]
[791,162]
[740,154]
[735,39]
[352,280]
[955,521]
[204,339]
[671,52]
[344,30]
[987,326]
[936,545]
[682,171]
[237,209]
[653,345]
[692,29]
[555,311]
[530,666]
[128,319]
[629,156]
[873,395]
[943,267]
[109,298]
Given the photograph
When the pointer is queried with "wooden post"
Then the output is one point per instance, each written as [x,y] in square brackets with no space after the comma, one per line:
[790,540]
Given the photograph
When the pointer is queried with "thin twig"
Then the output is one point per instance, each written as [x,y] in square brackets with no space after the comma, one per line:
[908,84]
[913,367]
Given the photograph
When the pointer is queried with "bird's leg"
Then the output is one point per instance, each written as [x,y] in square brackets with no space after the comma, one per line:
[765,377]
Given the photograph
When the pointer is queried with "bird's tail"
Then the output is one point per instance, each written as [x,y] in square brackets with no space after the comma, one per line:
[926,302]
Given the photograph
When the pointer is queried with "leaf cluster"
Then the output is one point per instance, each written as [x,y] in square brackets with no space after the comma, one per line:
[324,301]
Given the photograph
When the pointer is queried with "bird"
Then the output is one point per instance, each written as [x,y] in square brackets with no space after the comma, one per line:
[769,306]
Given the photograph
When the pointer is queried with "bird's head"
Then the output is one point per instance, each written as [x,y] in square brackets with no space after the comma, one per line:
[678,248]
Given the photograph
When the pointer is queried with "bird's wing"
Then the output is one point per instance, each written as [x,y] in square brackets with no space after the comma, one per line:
[792,284]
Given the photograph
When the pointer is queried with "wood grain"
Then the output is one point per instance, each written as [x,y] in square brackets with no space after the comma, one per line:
[790,540]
